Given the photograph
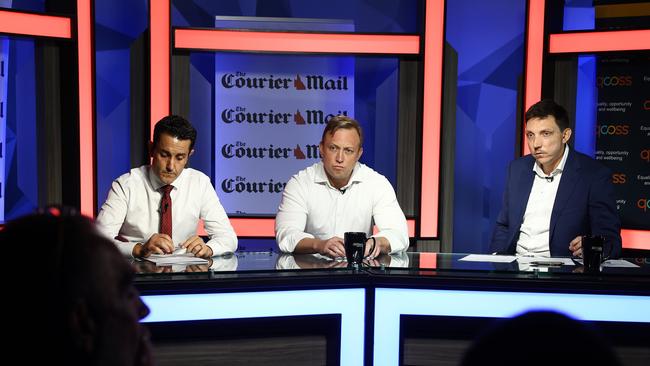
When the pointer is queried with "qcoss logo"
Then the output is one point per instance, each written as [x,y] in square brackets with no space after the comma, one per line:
[622,80]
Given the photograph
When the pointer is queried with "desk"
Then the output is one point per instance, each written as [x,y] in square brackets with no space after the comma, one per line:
[373,300]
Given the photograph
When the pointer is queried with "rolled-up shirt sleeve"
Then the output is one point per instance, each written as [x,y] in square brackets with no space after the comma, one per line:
[291,220]
[111,217]
[216,223]
[389,218]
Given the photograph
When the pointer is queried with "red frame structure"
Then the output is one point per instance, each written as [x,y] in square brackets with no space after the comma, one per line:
[430,46]
[576,42]
[49,26]
[325,43]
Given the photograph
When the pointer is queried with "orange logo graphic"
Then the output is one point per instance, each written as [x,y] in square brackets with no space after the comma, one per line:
[297,152]
[645,155]
[298,118]
[643,203]
[298,84]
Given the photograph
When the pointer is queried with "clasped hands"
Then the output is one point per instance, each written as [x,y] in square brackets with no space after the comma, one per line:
[334,247]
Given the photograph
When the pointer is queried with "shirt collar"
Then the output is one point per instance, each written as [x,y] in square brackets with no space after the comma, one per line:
[156,183]
[357,175]
[558,169]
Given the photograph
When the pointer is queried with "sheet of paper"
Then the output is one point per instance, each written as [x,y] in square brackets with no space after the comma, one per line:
[621,263]
[489,258]
[167,259]
[546,261]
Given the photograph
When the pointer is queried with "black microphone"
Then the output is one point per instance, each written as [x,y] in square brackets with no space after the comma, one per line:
[549,179]
[165,207]
[343,190]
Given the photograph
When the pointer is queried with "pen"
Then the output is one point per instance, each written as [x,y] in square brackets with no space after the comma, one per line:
[546,263]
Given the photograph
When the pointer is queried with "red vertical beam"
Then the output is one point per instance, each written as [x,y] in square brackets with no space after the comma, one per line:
[86,102]
[160,59]
[431,116]
[534,59]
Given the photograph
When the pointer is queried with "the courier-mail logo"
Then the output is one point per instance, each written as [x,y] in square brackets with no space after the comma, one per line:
[244,115]
[242,80]
[243,150]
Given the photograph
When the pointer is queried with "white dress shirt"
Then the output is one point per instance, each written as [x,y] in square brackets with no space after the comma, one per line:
[312,208]
[132,210]
[534,232]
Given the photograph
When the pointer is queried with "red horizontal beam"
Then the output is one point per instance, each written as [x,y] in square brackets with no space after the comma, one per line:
[250,41]
[259,227]
[28,24]
[584,42]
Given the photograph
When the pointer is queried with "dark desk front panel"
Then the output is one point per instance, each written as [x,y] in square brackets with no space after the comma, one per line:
[378,312]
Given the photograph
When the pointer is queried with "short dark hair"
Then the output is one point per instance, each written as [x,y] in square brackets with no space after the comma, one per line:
[548,107]
[175,126]
[341,121]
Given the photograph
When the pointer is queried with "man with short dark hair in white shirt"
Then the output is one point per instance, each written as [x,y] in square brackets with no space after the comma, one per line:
[338,195]
[155,209]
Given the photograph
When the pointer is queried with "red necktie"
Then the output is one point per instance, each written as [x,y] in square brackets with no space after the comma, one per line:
[166,211]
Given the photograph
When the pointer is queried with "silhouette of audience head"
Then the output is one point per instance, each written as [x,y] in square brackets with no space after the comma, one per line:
[77,305]
[540,338]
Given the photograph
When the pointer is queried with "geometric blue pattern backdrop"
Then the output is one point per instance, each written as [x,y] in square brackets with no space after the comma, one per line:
[117,24]
[20,180]
[488,37]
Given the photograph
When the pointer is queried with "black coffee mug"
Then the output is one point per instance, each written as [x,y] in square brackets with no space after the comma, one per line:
[592,252]
[355,246]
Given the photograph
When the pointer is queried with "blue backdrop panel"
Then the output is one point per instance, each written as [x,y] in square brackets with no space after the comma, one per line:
[488,37]
[18,125]
[21,160]
[115,31]
[368,16]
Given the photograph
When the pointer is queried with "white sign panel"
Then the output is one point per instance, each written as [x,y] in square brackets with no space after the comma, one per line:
[270,114]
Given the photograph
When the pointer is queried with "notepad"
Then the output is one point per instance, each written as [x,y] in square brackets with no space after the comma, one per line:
[488,258]
[167,259]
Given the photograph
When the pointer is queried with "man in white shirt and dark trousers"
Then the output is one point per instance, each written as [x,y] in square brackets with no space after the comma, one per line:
[338,195]
[156,208]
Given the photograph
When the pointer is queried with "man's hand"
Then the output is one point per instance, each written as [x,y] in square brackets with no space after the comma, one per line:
[575,246]
[373,248]
[332,247]
[157,244]
[196,246]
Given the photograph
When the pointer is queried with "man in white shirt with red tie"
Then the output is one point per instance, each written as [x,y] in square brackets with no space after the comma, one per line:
[155,209]
[337,195]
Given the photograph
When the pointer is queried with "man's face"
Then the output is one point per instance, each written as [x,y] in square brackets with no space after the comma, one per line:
[169,157]
[340,152]
[117,310]
[546,141]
